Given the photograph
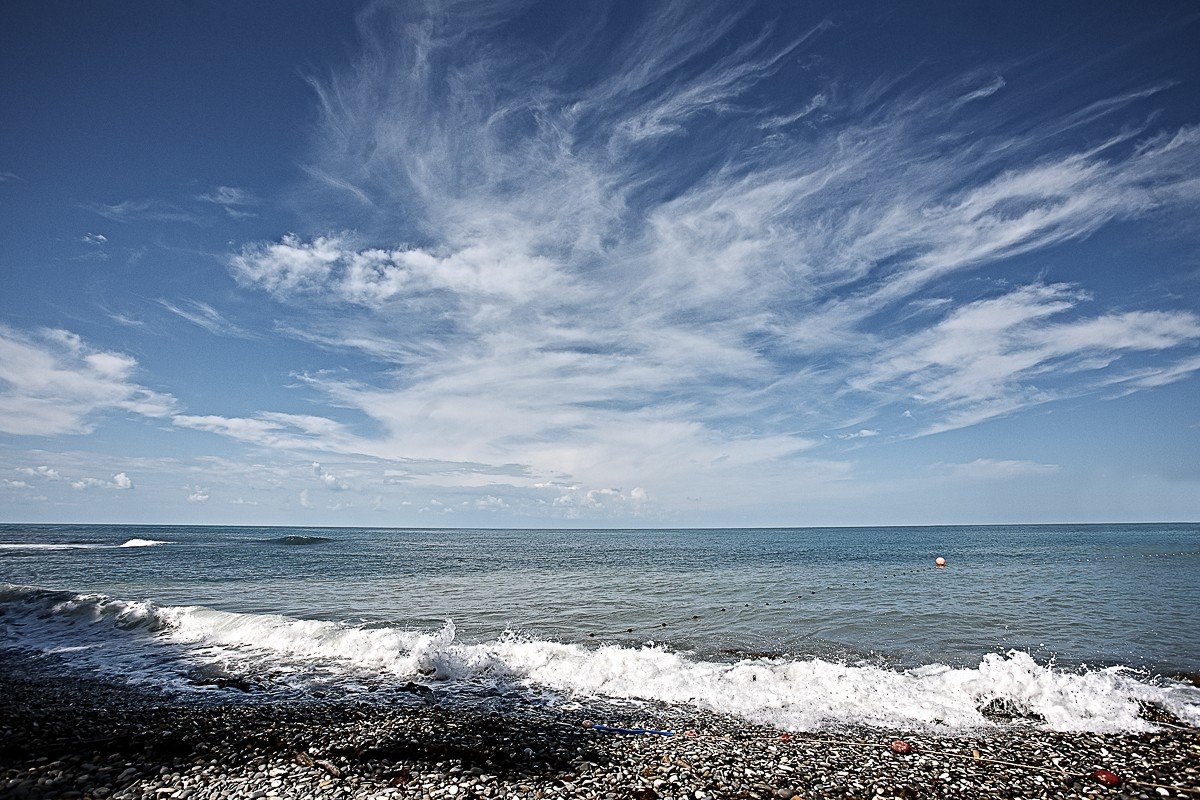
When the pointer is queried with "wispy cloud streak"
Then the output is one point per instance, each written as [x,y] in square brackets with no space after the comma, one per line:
[618,263]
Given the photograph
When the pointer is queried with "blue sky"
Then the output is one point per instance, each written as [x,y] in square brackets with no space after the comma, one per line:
[632,264]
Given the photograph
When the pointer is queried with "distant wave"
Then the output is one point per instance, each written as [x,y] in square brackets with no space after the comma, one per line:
[299,540]
[79,545]
[141,641]
[43,546]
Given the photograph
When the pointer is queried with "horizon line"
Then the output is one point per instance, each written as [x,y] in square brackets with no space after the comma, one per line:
[615,528]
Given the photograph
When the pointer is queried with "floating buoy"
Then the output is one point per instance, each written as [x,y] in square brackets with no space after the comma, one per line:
[1105,777]
[901,747]
[941,562]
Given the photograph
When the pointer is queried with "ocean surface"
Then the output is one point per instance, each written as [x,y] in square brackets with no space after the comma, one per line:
[1070,627]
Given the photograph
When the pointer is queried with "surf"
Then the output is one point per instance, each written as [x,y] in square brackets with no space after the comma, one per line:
[148,643]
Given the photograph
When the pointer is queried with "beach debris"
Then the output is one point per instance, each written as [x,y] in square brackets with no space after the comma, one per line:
[940,562]
[1106,777]
[785,737]
[328,766]
[901,747]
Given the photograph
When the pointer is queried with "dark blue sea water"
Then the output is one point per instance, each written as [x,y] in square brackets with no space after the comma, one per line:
[1019,612]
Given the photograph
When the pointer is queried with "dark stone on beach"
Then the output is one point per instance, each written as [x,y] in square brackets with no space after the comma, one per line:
[1188,677]
[64,732]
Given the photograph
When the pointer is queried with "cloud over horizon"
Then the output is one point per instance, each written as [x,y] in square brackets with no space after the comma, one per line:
[639,262]
[565,273]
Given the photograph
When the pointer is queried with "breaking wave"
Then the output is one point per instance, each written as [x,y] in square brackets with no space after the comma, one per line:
[162,644]
[80,545]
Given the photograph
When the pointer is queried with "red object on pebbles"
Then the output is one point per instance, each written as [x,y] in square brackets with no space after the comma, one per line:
[1107,778]
[785,737]
[902,747]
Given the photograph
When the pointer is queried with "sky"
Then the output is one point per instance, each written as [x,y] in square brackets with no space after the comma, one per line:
[633,264]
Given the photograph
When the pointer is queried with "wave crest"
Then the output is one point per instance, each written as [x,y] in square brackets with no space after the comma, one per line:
[804,694]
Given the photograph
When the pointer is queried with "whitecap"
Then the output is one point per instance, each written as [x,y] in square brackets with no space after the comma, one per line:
[793,694]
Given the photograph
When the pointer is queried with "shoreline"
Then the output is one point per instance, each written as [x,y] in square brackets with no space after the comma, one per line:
[69,735]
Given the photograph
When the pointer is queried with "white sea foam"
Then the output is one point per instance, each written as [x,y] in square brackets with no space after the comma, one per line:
[145,641]
[144,543]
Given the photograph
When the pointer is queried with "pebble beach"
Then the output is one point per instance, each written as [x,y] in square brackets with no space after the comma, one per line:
[68,735]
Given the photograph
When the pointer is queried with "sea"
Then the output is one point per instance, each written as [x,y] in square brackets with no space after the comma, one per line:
[1067,627]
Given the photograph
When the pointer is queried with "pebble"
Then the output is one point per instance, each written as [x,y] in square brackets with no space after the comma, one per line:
[66,736]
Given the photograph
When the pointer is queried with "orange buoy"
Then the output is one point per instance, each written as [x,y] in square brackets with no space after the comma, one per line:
[941,562]
[901,747]
[1107,778]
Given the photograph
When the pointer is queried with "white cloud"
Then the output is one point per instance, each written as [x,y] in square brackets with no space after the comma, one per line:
[41,471]
[292,431]
[119,481]
[996,84]
[16,484]
[206,317]
[139,210]
[330,480]
[994,356]
[304,501]
[995,469]
[331,267]
[862,433]
[198,495]
[579,289]
[94,238]
[52,382]
[576,501]
[236,202]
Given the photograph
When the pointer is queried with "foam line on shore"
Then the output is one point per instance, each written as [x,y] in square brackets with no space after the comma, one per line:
[155,643]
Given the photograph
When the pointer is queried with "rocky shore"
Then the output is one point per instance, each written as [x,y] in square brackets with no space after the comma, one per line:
[70,736]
